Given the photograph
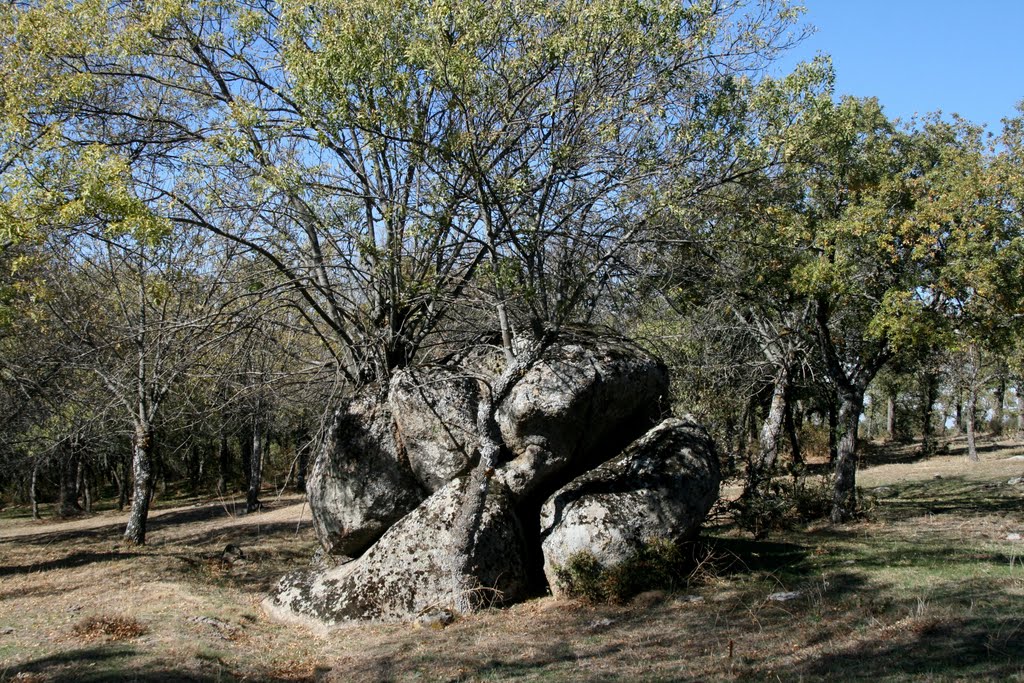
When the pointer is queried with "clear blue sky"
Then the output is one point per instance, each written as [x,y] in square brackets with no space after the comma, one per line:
[919,55]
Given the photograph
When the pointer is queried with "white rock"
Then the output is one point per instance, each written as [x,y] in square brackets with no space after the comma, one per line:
[785,596]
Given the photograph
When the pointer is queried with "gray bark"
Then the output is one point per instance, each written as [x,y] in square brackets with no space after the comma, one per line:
[33,490]
[971,410]
[890,418]
[252,502]
[997,406]
[762,466]
[468,521]
[844,495]
[931,386]
[142,474]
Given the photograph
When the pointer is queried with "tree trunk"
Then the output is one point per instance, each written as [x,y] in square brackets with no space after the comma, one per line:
[958,426]
[833,431]
[997,406]
[794,421]
[844,494]
[931,386]
[759,471]
[890,418]
[68,496]
[224,460]
[245,451]
[84,485]
[122,483]
[1020,407]
[971,408]
[33,491]
[302,453]
[467,523]
[252,501]
[195,468]
[142,473]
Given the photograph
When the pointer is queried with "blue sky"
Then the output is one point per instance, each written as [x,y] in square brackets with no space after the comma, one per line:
[920,56]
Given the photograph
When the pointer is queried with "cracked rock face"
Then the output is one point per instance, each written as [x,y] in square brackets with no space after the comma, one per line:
[434,409]
[661,487]
[567,409]
[359,486]
[409,570]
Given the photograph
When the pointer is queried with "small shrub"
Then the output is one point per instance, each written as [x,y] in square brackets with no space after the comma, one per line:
[655,564]
[800,500]
[114,628]
[812,498]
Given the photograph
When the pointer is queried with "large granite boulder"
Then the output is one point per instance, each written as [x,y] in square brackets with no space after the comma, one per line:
[576,407]
[409,570]
[434,409]
[359,485]
[391,481]
[661,487]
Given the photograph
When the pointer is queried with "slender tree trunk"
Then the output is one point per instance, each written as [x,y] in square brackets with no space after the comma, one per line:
[142,475]
[245,451]
[890,418]
[252,502]
[195,468]
[33,491]
[122,483]
[742,435]
[467,523]
[759,471]
[68,496]
[1020,407]
[958,426]
[224,460]
[85,485]
[302,453]
[997,405]
[844,494]
[833,431]
[794,421]
[927,403]
[971,409]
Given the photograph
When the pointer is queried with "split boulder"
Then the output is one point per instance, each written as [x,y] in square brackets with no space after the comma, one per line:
[661,487]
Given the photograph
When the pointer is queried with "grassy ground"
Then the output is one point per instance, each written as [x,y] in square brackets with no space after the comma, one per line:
[928,587]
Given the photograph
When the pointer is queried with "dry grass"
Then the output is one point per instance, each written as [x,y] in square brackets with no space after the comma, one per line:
[927,587]
[112,628]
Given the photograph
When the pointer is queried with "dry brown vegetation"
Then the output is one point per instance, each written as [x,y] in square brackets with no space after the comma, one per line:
[927,587]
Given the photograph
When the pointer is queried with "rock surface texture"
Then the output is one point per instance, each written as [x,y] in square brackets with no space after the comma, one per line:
[574,406]
[435,419]
[577,431]
[408,571]
[359,485]
[661,487]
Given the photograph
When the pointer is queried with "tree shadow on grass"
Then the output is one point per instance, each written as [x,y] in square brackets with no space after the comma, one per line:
[946,495]
[949,649]
[728,556]
[77,559]
[113,662]
[157,521]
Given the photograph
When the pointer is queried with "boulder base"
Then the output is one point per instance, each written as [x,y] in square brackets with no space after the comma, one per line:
[410,569]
